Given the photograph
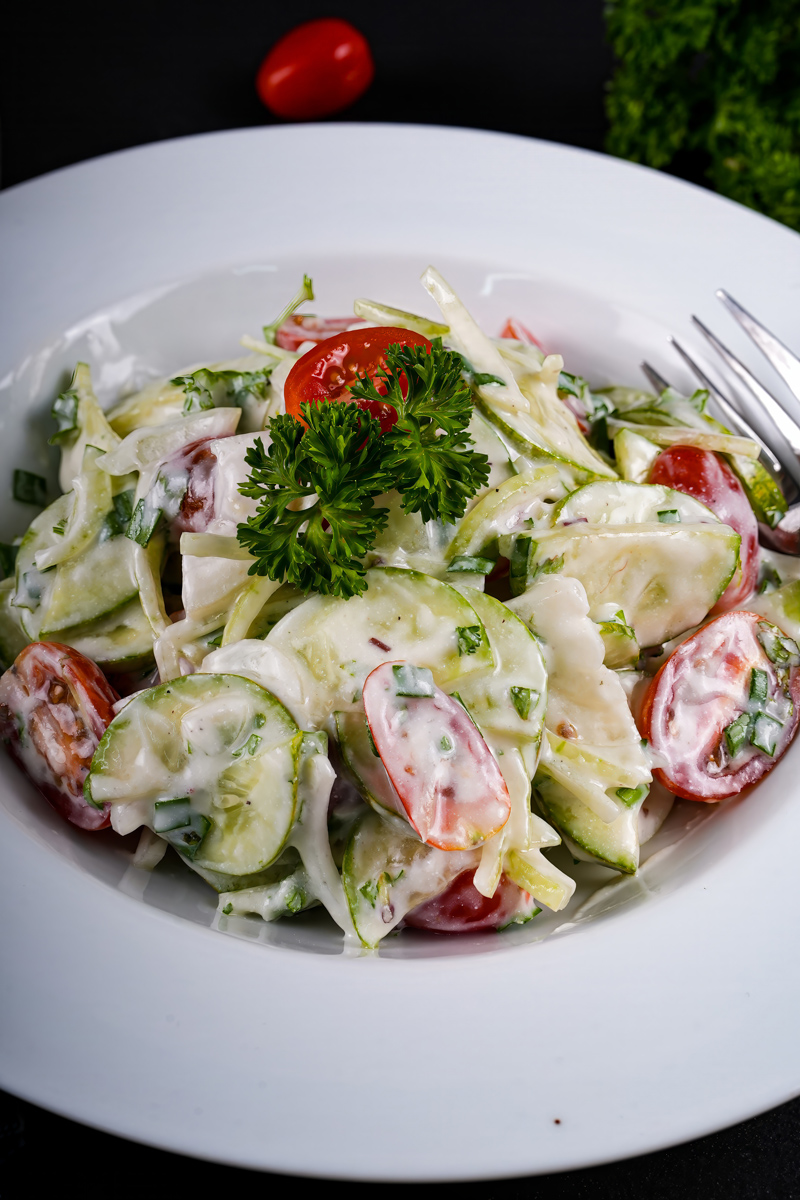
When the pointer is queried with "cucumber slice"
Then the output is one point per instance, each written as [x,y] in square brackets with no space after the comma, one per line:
[387,871]
[122,640]
[765,496]
[375,313]
[635,455]
[213,760]
[13,638]
[506,510]
[507,703]
[91,428]
[623,503]
[664,577]
[781,607]
[614,844]
[93,583]
[364,764]
[402,615]
[619,640]
[90,586]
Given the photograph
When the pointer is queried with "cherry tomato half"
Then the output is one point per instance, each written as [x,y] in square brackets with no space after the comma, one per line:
[702,474]
[328,370]
[462,909]
[55,705]
[720,712]
[316,69]
[448,782]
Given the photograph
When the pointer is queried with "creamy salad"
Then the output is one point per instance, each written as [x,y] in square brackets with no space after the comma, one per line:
[376,614]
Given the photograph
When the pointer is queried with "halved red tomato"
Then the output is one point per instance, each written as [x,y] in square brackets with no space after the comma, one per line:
[462,909]
[450,786]
[55,705]
[707,477]
[723,708]
[329,369]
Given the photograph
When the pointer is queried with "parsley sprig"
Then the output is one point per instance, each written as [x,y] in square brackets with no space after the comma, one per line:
[315,485]
[427,452]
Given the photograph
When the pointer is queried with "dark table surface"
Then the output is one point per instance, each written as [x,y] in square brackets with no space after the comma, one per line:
[88,78]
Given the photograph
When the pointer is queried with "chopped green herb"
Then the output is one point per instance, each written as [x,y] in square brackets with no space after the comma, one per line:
[180,825]
[65,413]
[252,744]
[669,516]
[481,378]
[473,563]
[143,524]
[29,488]
[60,526]
[369,891]
[259,719]
[521,699]
[770,579]
[228,909]
[631,796]
[766,731]
[781,650]
[296,901]
[413,681]
[759,685]
[737,733]
[445,743]
[470,638]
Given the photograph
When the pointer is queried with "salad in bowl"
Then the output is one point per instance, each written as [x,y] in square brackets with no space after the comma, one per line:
[377,614]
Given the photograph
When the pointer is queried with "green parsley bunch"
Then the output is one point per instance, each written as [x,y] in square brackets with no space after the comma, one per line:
[315,485]
[714,85]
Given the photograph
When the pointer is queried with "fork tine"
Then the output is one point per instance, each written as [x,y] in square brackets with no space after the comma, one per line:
[654,379]
[785,423]
[739,423]
[781,357]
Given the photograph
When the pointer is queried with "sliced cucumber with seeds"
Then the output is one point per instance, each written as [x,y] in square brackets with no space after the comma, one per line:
[625,503]
[121,640]
[387,871]
[615,843]
[364,764]
[215,757]
[510,508]
[664,577]
[403,615]
[97,581]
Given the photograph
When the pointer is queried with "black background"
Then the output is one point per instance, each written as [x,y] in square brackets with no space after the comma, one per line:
[88,78]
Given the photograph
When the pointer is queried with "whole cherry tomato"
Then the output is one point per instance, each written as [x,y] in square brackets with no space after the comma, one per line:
[723,708]
[702,474]
[55,705]
[316,69]
[462,909]
[328,369]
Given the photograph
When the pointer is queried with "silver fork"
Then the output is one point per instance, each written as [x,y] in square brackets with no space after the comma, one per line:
[778,435]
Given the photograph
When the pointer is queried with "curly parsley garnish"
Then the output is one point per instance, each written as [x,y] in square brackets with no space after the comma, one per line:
[316,485]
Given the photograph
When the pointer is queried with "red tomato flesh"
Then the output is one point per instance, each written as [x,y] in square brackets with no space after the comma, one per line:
[700,691]
[298,329]
[55,705]
[519,332]
[316,69]
[441,768]
[329,369]
[462,909]
[707,477]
